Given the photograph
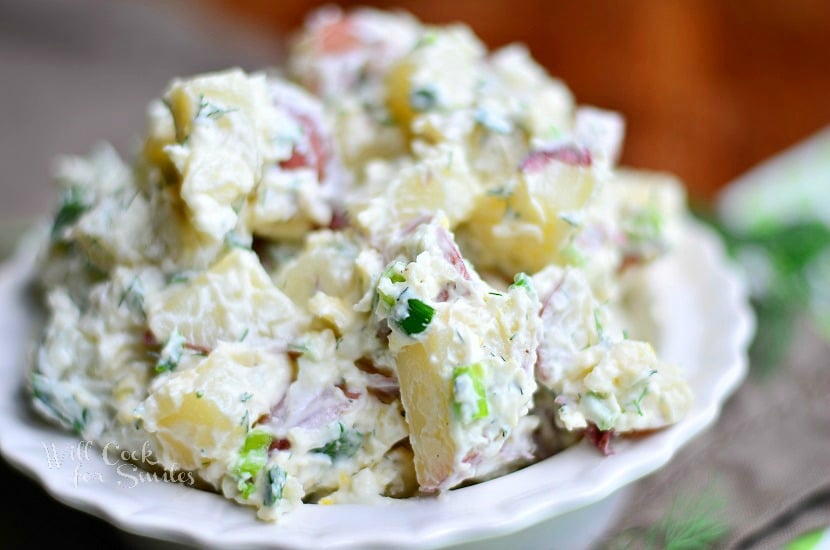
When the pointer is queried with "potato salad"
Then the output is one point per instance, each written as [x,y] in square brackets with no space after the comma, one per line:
[399,264]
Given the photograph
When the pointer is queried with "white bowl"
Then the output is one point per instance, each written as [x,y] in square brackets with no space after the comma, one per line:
[706,325]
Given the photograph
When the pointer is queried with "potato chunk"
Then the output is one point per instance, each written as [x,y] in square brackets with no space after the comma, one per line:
[464,356]
[526,224]
[233,300]
[201,412]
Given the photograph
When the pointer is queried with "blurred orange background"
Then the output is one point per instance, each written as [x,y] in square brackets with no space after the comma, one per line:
[708,88]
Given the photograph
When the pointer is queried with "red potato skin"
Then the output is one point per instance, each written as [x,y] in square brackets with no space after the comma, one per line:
[572,155]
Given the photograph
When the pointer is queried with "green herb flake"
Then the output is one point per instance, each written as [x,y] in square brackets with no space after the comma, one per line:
[422,99]
[500,192]
[646,225]
[639,401]
[171,353]
[211,110]
[235,240]
[61,406]
[133,295]
[274,486]
[178,278]
[245,397]
[492,121]
[73,205]
[427,39]
[598,324]
[522,280]
[571,219]
[345,446]
[573,256]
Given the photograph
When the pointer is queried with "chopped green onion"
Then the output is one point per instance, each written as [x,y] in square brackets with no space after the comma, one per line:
[393,273]
[469,392]
[597,409]
[419,315]
[252,458]
[522,280]
[645,225]
[573,256]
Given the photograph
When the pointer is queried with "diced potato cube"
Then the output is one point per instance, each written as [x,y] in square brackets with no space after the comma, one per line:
[464,358]
[201,411]
[234,299]
[442,181]
[524,226]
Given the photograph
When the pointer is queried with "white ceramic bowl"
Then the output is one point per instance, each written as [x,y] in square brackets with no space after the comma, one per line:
[706,326]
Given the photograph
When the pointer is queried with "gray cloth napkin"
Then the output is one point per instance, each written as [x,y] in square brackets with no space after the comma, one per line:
[763,469]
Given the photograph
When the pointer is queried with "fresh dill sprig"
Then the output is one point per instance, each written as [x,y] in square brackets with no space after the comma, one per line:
[693,522]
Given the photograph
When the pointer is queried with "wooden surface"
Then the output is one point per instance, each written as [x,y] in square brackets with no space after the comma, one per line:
[708,87]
